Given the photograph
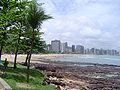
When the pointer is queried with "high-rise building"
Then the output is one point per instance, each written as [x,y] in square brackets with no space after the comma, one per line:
[73,48]
[64,47]
[109,52]
[105,52]
[87,51]
[80,49]
[49,48]
[97,51]
[102,52]
[117,53]
[55,45]
[69,49]
[92,50]
[114,52]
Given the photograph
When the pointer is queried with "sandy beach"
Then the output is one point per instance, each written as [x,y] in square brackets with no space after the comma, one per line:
[35,57]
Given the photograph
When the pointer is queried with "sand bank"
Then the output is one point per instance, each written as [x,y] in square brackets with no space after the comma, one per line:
[35,57]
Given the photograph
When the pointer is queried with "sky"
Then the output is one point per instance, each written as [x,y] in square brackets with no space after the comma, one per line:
[92,23]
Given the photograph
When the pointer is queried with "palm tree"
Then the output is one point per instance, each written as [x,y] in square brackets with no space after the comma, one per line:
[5,7]
[36,16]
[21,5]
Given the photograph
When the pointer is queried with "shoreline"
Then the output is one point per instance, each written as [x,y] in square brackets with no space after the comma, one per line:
[22,57]
[74,75]
[37,58]
[70,77]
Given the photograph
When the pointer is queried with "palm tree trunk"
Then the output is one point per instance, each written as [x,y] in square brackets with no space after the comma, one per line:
[26,59]
[17,47]
[30,54]
[2,44]
[1,47]
[16,52]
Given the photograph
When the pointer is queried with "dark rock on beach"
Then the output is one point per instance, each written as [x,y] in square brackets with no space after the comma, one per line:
[80,76]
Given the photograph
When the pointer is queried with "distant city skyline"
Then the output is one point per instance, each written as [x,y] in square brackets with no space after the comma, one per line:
[56,46]
[69,44]
[93,23]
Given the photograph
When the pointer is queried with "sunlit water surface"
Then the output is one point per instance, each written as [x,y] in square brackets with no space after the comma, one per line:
[99,59]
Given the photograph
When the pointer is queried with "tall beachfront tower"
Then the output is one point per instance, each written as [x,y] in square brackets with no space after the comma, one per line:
[64,47]
[73,48]
[80,49]
[55,45]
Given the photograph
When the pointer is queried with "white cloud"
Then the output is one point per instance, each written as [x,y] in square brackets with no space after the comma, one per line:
[67,34]
[93,23]
[90,32]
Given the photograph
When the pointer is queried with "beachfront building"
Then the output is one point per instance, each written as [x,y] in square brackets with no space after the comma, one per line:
[109,52]
[73,48]
[80,49]
[49,48]
[69,49]
[101,52]
[64,47]
[92,50]
[114,52]
[87,51]
[56,46]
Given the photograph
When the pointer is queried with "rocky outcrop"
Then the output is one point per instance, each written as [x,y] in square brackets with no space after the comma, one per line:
[68,76]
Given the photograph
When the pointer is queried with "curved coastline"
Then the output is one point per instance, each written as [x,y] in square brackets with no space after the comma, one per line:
[74,75]
[80,76]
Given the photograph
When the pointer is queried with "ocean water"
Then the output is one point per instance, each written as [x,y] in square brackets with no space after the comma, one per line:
[99,59]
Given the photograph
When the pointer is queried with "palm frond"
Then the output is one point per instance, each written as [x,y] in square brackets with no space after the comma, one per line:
[36,15]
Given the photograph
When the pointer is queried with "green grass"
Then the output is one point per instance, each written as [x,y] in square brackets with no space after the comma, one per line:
[12,77]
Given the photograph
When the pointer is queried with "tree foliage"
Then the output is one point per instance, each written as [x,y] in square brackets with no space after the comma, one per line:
[18,18]
[20,24]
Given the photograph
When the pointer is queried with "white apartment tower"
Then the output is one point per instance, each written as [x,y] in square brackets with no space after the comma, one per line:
[64,47]
[55,45]
[80,49]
